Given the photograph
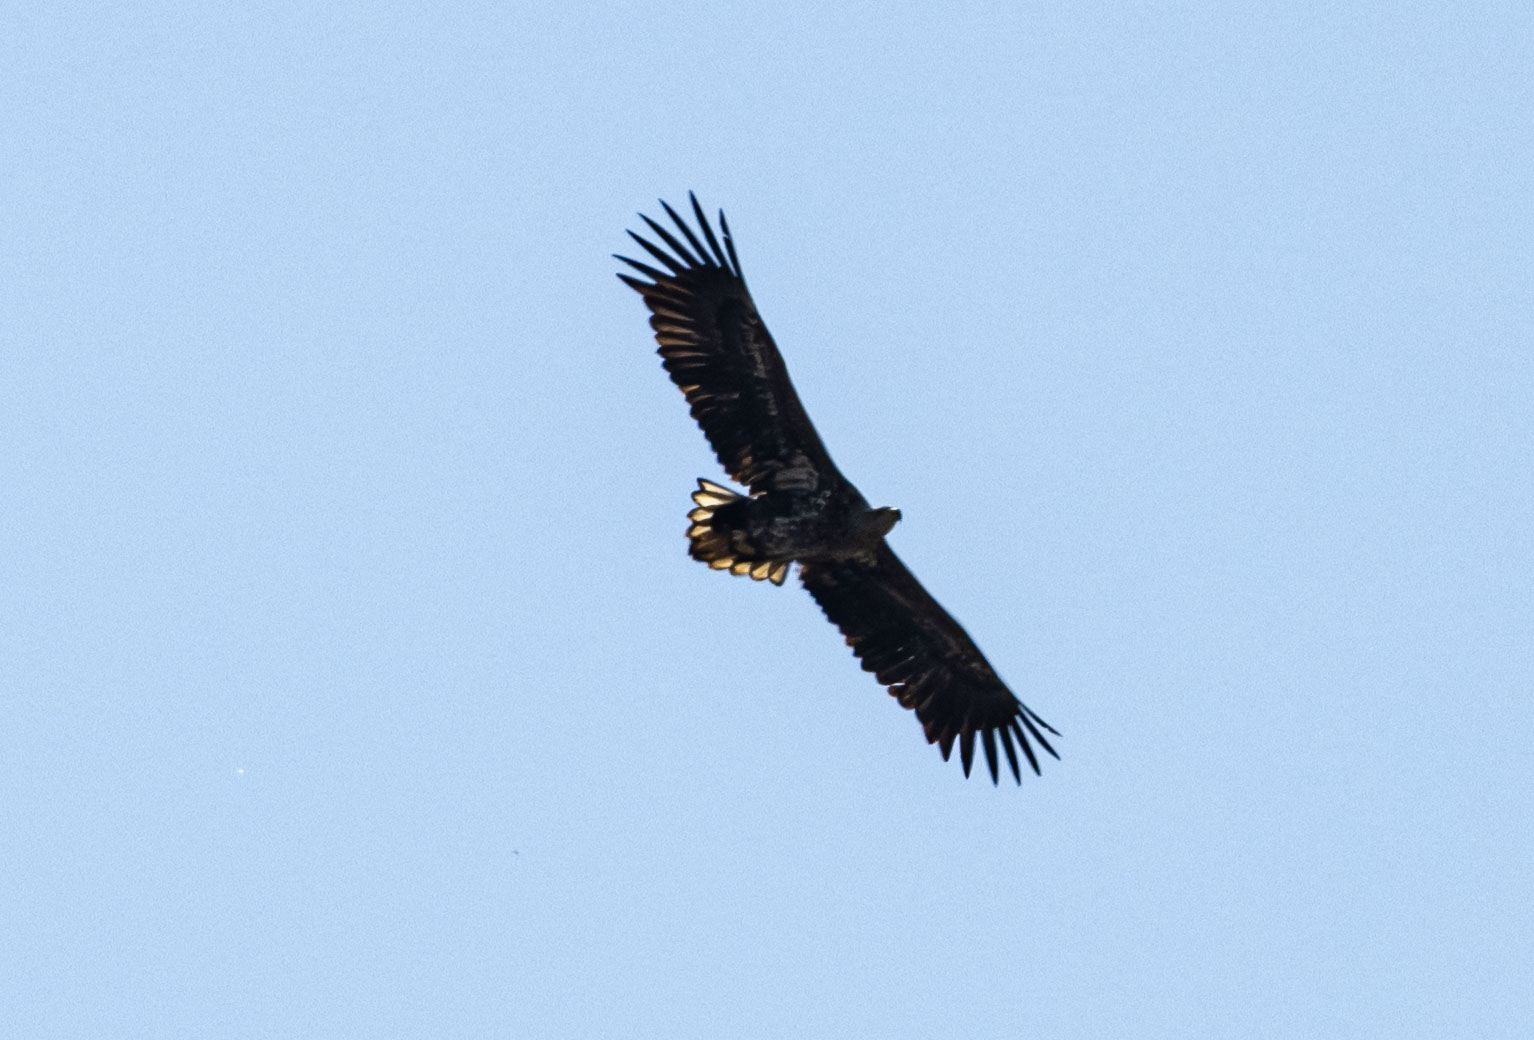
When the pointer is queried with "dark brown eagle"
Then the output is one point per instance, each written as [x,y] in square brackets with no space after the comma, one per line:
[801,509]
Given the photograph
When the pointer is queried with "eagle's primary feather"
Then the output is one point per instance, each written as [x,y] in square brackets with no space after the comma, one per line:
[801,509]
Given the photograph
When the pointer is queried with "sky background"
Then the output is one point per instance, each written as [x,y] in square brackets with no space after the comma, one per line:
[356,682]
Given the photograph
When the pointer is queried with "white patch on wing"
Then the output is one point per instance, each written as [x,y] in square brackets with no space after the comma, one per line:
[798,475]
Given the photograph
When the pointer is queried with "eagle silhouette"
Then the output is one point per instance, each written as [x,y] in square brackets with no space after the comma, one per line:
[801,509]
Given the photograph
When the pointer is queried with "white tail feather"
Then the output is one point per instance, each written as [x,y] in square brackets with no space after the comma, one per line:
[713,547]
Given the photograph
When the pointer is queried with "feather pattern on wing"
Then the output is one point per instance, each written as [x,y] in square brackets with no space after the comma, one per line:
[916,648]
[718,351]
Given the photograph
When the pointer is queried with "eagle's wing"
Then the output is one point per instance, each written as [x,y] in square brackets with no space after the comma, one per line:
[717,350]
[928,662]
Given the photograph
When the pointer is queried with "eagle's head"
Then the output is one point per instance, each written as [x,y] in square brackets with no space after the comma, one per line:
[883,520]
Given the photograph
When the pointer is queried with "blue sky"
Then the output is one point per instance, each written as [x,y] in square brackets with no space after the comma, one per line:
[357,680]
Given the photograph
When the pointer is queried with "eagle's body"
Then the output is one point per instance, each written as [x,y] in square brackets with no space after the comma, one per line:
[823,525]
[802,510]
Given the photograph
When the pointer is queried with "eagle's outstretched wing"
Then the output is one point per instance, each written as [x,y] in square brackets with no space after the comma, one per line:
[913,646]
[717,350]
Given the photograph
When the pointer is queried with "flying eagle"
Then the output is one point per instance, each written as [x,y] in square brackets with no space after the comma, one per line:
[801,509]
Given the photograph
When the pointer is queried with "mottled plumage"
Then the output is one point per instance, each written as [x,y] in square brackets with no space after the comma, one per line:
[801,509]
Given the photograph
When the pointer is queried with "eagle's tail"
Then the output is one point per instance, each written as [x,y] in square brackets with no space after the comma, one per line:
[715,546]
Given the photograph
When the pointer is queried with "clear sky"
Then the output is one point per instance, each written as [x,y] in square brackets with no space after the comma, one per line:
[356,682]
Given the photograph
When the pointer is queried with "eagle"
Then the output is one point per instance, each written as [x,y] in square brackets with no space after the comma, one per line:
[799,509]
